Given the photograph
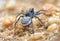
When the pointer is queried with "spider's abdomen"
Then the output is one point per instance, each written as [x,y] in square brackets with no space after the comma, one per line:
[26,21]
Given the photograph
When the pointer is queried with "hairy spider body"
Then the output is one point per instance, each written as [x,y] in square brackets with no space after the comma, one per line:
[26,18]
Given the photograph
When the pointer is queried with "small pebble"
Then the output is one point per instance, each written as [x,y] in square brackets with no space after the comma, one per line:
[8,21]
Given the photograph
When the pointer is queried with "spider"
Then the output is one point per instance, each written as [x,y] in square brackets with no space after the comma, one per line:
[26,19]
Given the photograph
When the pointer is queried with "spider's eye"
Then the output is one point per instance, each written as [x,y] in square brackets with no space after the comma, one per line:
[28,14]
[31,10]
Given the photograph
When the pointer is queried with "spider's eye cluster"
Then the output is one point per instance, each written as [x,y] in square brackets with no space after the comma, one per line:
[31,10]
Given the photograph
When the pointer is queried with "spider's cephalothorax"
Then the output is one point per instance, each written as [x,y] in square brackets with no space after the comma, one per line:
[26,18]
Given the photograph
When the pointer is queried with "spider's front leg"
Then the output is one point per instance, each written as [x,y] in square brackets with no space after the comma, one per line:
[18,17]
[16,21]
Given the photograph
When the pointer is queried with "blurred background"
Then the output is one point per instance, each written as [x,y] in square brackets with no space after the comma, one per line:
[39,3]
[31,3]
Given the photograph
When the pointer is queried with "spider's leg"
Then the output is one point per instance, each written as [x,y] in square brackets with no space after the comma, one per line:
[39,20]
[16,20]
[39,12]
[22,12]
[32,29]
[18,17]
[42,12]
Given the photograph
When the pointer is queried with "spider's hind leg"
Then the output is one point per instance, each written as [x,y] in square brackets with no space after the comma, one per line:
[39,20]
[32,29]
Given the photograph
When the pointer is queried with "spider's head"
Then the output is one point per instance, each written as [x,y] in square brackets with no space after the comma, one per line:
[30,12]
